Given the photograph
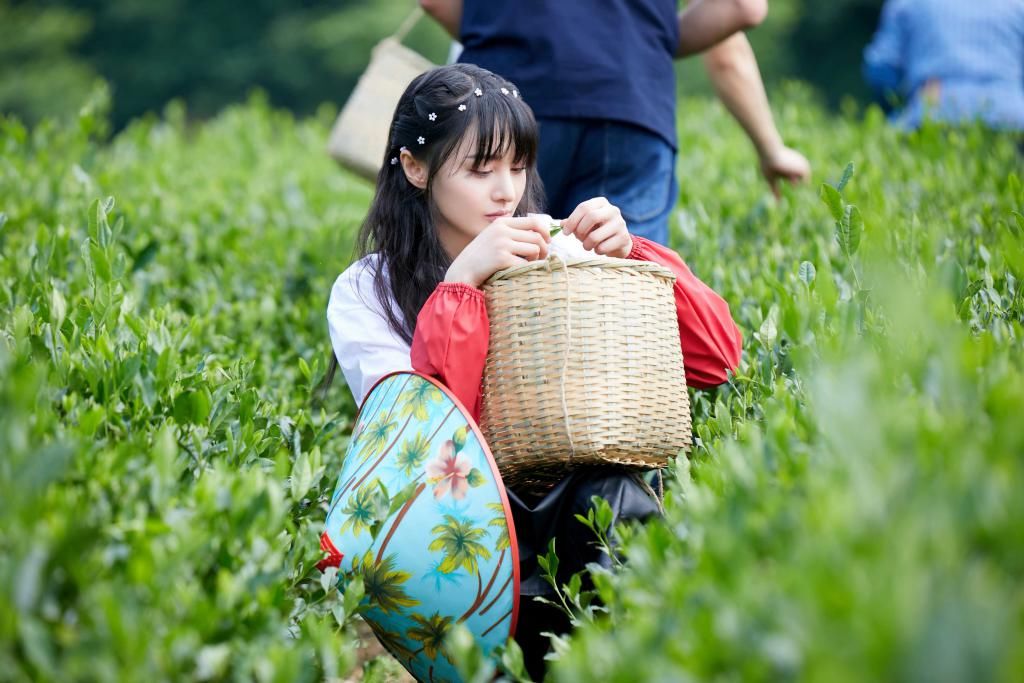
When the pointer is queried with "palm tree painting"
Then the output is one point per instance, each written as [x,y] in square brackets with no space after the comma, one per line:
[430,633]
[499,522]
[462,544]
[383,583]
[417,399]
[422,399]
[372,440]
[453,507]
[503,543]
[448,579]
[359,511]
[375,437]
[412,454]
[395,643]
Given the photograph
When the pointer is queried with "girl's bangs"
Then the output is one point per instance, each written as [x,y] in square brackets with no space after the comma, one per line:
[502,126]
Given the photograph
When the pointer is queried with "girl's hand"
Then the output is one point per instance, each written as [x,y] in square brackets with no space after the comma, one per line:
[505,243]
[600,226]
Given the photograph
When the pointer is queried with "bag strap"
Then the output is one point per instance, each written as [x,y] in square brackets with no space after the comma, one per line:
[414,16]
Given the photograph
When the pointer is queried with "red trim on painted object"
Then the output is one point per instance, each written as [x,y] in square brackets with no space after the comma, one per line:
[334,556]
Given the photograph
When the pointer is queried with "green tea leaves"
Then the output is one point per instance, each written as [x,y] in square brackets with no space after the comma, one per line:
[58,308]
[192,407]
[165,471]
[849,226]
[145,255]
[847,174]
[807,272]
[849,230]
[832,200]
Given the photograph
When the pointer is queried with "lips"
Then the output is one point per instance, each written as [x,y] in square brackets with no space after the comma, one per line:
[500,214]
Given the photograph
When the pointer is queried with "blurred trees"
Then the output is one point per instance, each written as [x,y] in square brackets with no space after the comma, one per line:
[303,53]
[207,52]
[40,71]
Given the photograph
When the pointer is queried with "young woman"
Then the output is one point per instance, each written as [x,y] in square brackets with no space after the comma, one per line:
[452,207]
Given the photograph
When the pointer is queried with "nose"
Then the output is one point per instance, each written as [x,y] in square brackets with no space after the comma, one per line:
[503,189]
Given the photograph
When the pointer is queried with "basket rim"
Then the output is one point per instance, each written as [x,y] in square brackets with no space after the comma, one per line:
[610,262]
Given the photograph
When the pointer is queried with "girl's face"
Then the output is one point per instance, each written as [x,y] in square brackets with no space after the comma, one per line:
[468,199]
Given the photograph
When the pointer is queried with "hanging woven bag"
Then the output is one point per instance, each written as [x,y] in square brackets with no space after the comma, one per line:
[360,133]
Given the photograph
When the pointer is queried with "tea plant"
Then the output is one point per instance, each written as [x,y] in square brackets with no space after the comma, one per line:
[850,509]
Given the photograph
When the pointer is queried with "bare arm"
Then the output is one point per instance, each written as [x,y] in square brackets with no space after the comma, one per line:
[733,70]
[448,13]
[704,23]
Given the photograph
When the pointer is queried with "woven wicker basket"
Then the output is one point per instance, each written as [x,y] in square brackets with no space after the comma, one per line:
[360,134]
[584,368]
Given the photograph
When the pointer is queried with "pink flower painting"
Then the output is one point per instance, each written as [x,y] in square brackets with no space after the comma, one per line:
[449,472]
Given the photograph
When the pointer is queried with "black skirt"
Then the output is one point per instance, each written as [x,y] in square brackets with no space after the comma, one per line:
[538,519]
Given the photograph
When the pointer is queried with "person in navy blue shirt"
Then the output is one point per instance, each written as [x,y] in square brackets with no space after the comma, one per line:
[950,60]
[601,81]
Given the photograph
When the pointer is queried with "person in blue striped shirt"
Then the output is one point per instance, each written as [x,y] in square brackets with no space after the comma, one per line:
[951,61]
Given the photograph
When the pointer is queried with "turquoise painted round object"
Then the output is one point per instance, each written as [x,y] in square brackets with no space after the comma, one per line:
[420,514]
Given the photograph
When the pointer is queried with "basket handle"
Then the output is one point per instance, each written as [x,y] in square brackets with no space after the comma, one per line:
[407,24]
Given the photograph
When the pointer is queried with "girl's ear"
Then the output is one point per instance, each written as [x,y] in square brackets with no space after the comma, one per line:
[415,171]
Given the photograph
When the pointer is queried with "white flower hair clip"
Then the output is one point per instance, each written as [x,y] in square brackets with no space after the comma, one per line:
[515,93]
[403,148]
[421,139]
[504,91]
[394,161]
[433,116]
[462,107]
[478,92]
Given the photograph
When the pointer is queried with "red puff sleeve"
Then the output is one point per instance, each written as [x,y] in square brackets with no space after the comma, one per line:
[450,341]
[710,340]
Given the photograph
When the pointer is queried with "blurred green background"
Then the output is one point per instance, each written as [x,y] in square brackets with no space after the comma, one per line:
[212,53]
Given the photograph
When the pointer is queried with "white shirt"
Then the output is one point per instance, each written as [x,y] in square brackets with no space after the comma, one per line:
[366,347]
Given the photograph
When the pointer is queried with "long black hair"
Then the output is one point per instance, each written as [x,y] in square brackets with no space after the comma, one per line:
[441,107]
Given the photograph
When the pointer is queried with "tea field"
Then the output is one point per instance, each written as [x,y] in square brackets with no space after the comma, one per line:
[852,509]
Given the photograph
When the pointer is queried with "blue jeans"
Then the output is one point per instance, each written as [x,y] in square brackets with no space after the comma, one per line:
[633,168]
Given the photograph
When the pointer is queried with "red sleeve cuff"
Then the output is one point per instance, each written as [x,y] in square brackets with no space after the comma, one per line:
[460,288]
[637,250]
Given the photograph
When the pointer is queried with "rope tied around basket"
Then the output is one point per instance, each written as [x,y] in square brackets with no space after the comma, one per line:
[568,346]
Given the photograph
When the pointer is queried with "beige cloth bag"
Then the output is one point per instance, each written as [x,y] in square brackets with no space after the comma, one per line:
[360,133]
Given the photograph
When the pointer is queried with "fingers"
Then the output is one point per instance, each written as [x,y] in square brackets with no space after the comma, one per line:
[786,164]
[531,251]
[608,216]
[796,172]
[596,235]
[527,237]
[514,261]
[609,240]
[536,223]
[528,244]
[571,225]
[599,225]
